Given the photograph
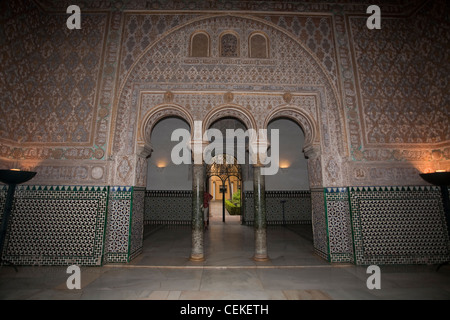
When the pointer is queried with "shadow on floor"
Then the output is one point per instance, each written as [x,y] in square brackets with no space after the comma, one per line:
[228,244]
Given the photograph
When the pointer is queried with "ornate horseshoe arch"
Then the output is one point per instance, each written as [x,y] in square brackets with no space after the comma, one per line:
[151,118]
[303,118]
[229,111]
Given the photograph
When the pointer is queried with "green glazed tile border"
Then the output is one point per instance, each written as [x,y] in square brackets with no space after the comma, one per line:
[398,225]
[57,236]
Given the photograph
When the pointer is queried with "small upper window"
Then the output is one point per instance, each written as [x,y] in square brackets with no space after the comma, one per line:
[200,45]
[229,45]
[258,46]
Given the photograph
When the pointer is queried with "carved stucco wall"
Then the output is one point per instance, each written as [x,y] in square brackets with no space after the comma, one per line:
[293,82]
[403,97]
[72,101]
[76,106]
[56,93]
[341,45]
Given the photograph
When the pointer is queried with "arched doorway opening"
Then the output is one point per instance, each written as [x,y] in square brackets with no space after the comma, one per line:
[301,87]
[168,185]
[288,193]
[223,182]
[227,172]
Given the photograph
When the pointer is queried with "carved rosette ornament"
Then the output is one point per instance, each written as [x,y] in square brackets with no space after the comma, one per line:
[287,97]
[168,97]
[228,97]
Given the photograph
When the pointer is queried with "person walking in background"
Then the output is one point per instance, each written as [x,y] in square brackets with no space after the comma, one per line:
[206,198]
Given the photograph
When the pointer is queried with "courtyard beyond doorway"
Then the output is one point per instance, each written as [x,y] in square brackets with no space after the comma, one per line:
[215,214]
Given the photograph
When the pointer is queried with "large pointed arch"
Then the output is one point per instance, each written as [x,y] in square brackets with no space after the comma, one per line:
[198,86]
[126,87]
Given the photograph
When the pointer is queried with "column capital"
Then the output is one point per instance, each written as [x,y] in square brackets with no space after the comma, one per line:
[258,152]
[197,147]
[312,151]
[144,150]
[260,143]
[257,163]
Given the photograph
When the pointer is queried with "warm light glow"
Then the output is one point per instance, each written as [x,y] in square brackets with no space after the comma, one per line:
[428,170]
[161,164]
[284,164]
[15,169]
[437,171]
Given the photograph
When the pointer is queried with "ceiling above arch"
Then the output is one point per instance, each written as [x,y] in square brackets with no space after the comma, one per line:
[292,6]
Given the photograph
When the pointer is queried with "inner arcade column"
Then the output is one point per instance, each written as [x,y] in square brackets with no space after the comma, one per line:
[258,156]
[260,225]
[198,176]
[197,214]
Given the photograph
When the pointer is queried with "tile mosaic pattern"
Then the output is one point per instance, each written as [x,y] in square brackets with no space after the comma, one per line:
[137,222]
[118,225]
[398,225]
[362,225]
[168,207]
[3,192]
[56,225]
[297,208]
[380,225]
[319,223]
[125,224]
[338,225]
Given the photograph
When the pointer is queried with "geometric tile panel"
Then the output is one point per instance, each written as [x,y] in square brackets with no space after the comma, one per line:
[248,205]
[168,207]
[3,192]
[118,225]
[137,222]
[174,207]
[297,207]
[62,225]
[319,223]
[56,225]
[338,225]
[398,225]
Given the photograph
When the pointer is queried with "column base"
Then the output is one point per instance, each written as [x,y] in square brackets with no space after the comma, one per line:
[260,258]
[197,258]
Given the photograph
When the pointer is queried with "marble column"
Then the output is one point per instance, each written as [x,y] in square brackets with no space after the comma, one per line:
[197,214]
[259,198]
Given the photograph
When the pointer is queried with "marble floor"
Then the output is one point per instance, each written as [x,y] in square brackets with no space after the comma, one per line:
[163,272]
